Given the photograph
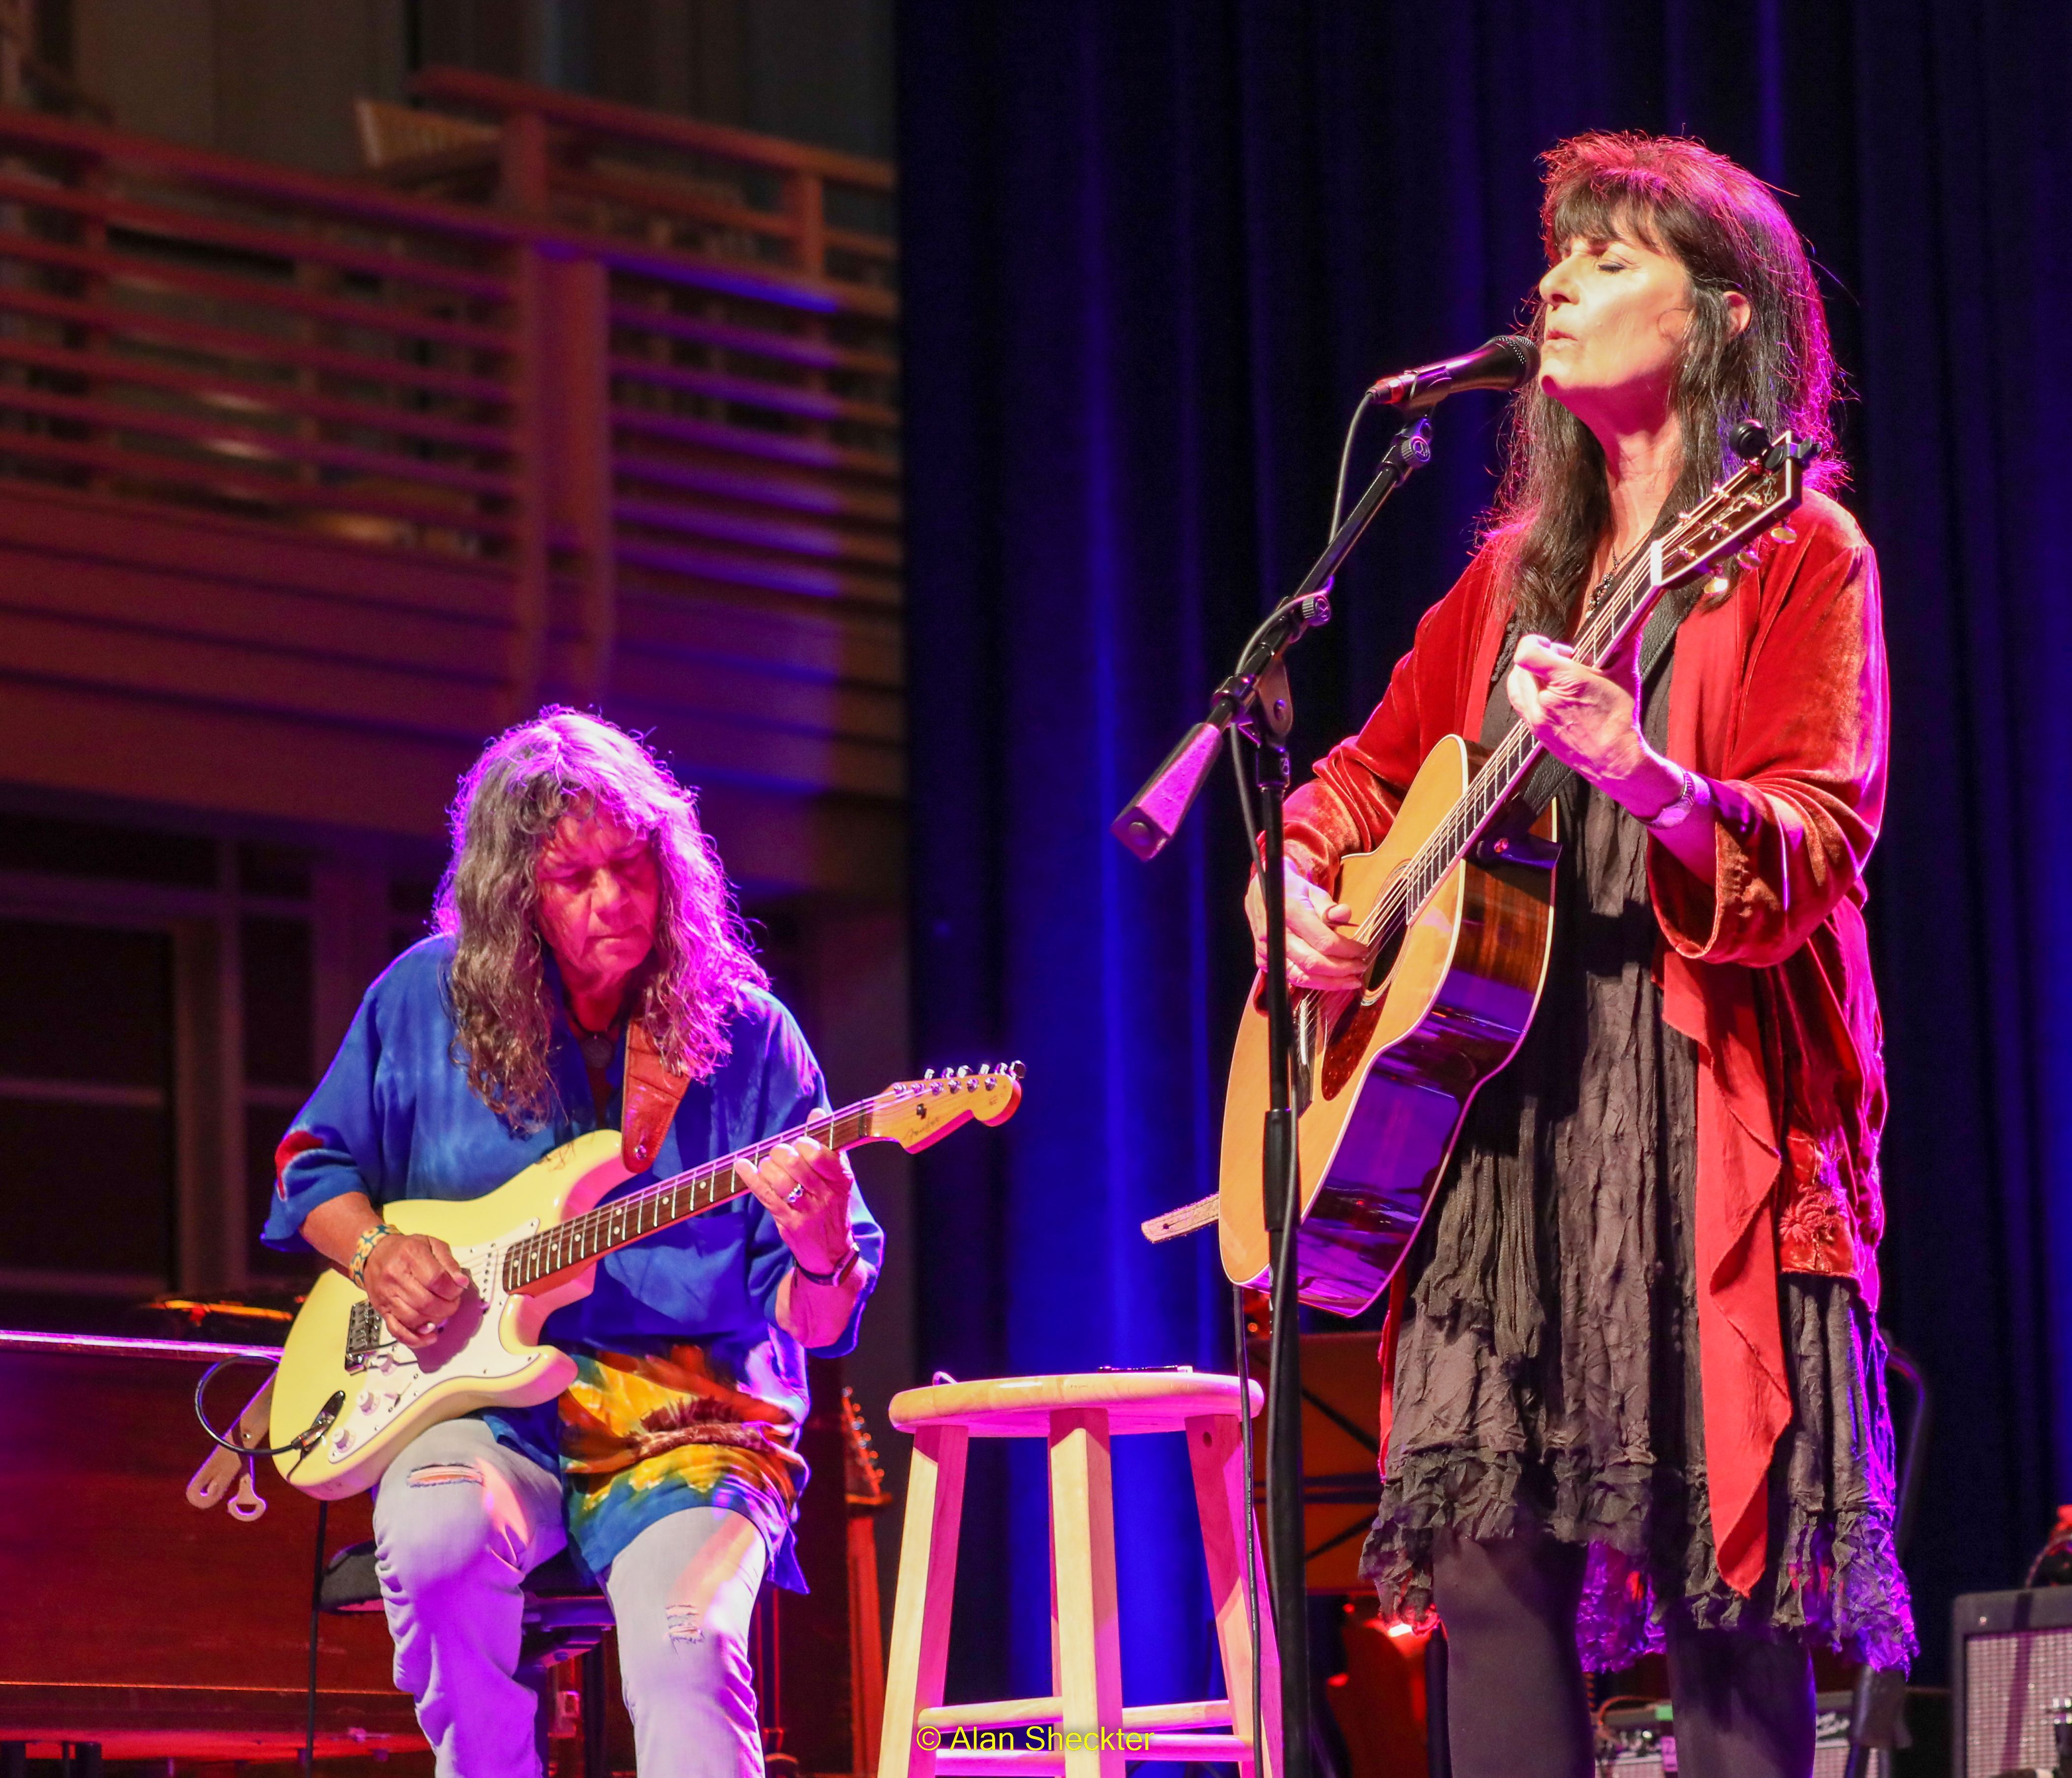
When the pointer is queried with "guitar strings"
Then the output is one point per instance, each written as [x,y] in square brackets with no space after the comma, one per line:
[1629,586]
[573,1238]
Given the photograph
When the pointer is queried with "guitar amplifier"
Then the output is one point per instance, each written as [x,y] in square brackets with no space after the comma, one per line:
[1640,1743]
[2012,1664]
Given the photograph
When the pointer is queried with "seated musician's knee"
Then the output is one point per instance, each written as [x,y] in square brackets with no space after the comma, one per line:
[437,1523]
[697,1620]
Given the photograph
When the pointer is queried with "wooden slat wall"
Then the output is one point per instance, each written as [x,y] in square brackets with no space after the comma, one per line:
[753,420]
[296,473]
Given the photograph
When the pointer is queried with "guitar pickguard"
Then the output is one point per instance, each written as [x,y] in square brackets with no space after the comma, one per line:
[1347,1049]
[389,1379]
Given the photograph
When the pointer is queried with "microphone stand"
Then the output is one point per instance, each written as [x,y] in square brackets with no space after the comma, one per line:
[1255,698]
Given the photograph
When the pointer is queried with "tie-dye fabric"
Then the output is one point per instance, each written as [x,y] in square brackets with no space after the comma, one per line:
[644,1436]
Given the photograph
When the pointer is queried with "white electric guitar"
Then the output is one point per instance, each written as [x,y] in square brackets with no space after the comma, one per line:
[349,1395]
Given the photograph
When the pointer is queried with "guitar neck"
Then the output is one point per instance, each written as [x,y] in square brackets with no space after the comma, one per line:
[589,1237]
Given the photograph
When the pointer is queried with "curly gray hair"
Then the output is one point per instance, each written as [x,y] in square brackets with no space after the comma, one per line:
[559,763]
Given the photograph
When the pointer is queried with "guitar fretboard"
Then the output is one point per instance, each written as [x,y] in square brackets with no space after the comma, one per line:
[616,1225]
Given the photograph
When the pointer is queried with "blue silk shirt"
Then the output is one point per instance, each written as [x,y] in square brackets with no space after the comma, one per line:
[696,1304]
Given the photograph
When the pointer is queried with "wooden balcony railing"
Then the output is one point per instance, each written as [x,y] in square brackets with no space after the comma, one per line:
[615,169]
[540,446]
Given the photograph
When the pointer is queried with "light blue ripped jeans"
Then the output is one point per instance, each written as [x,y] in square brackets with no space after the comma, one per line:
[459,1522]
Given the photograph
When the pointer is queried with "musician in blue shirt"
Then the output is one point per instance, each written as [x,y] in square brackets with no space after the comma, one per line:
[582,898]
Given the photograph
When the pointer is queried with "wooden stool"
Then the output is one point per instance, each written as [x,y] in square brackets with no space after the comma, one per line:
[1077,1415]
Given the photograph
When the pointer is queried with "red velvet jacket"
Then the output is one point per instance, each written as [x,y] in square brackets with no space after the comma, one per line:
[1779,699]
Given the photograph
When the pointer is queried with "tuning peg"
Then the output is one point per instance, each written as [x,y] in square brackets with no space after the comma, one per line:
[1781,532]
[1751,439]
[1717,585]
[927,1074]
[1017,1070]
[1748,558]
[964,1073]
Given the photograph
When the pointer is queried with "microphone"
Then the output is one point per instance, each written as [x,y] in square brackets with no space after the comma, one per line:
[1502,363]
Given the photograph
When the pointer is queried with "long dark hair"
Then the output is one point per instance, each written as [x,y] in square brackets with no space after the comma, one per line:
[1730,233]
[559,763]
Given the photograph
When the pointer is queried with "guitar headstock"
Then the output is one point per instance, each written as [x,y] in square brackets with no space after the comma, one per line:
[863,1476]
[915,1114]
[1758,496]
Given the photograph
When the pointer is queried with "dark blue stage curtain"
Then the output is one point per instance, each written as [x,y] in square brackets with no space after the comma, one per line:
[1152,249]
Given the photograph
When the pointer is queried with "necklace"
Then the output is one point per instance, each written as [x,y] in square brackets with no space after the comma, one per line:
[596,1046]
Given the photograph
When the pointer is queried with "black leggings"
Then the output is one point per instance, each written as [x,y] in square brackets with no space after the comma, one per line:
[1744,1704]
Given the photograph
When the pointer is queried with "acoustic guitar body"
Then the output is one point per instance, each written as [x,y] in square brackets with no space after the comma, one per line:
[1385,1076]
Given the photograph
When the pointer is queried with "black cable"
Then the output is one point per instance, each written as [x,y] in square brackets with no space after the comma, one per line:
[1251,1517]
[301,1442]
[316,1611]
[1237,1291]
[1236,751]
[1344,462]
[1283,1299]
[1244,794]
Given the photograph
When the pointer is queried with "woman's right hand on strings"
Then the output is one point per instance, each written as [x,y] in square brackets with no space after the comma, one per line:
[1318,956]
[415,1283]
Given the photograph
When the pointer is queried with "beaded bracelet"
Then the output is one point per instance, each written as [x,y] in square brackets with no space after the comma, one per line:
[357,1270]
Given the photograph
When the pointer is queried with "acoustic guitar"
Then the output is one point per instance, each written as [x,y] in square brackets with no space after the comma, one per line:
[1455,909]
[348,1395]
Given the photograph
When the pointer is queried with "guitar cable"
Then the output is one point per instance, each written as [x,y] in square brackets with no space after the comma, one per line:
[300,1443]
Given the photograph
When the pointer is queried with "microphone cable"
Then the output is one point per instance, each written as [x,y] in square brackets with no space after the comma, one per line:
[1244,1347]
[1338,518]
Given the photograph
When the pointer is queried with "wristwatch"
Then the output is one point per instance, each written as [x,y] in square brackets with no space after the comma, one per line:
[844,1266]
[1680,806]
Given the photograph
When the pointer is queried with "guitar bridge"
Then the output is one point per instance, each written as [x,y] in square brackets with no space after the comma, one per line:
[365,1335]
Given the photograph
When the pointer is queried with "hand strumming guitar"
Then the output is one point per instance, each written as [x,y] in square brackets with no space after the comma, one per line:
[413,1281]
[1318,956]
[416,1284]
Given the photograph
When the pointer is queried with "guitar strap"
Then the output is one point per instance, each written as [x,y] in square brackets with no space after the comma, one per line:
[1543,784]
[652,1096]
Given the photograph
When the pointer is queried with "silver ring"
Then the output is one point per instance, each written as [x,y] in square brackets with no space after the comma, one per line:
[794,1194]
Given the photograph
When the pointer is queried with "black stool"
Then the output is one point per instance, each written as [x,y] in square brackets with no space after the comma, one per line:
[565,1618]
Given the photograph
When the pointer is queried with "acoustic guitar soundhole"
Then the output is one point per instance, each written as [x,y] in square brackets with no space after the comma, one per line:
[1384,965]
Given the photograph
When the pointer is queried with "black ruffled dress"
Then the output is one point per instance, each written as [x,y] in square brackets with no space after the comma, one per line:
[1547,1365]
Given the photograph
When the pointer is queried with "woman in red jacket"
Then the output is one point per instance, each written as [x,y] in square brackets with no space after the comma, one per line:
[1636,1395]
